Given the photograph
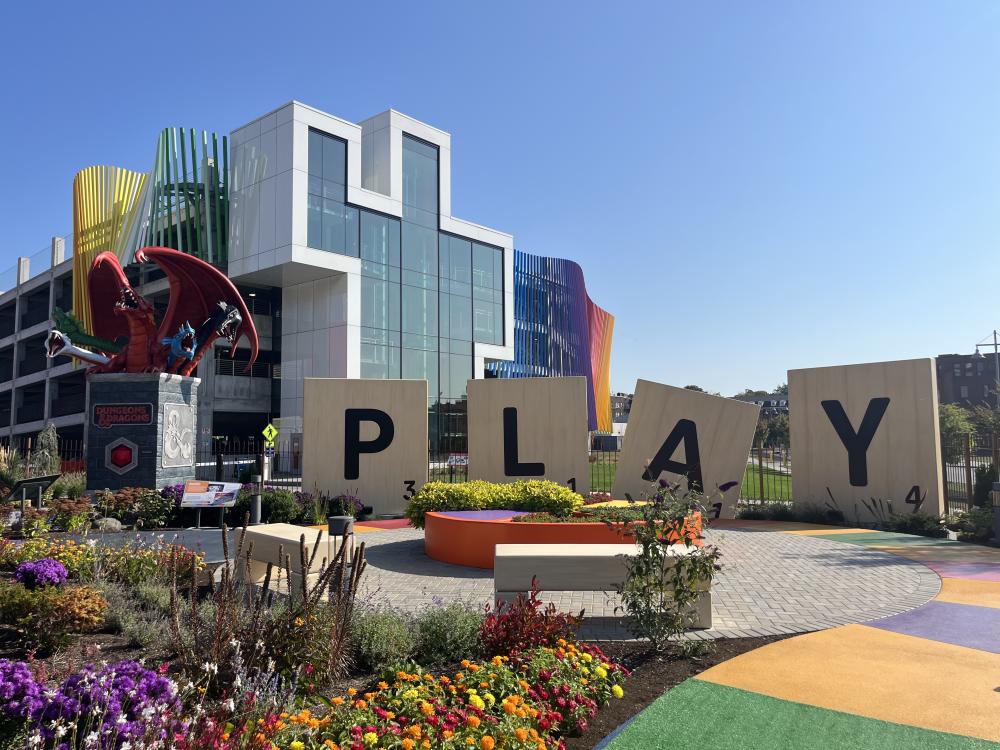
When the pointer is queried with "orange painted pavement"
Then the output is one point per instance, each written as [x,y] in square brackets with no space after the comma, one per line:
[879,674]
[976,593]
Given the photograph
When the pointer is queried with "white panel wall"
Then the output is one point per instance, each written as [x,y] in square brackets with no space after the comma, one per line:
[321,309]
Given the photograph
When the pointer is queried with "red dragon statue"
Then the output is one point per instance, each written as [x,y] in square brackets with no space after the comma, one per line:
[204,306]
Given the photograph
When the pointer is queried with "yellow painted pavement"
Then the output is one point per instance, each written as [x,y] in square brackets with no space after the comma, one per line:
[831,530]
[976,593]
[879,674]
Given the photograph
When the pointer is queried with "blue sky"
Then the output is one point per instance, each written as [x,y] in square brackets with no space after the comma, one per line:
[750,187]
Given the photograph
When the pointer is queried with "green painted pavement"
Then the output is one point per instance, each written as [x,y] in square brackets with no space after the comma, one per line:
[887,539]
[702,715]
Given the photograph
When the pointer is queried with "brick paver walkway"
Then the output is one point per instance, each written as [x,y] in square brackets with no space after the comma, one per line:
[771,583]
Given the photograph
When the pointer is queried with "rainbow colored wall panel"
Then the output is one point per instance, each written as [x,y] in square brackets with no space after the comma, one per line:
[558,330]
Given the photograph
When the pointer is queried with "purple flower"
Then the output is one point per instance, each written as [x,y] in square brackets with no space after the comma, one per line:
[122,702]
[20,695]
[173,492]
[37,573]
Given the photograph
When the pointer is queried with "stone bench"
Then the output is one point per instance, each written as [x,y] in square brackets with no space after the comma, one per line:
[578,567]
[265,541]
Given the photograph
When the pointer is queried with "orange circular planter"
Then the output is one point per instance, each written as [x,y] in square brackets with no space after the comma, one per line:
[470,537]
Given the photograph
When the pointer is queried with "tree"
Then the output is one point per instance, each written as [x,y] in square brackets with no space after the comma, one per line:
[46,457]
[984,419]
[782,389]
[956,424]
[694,388]
[752,393]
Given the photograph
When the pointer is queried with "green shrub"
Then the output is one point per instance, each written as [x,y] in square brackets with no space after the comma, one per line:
[276,506]
[975,525]
[921,524]
[537,495]
[71,484]
[447,634]
[142,618]
[153,511]
[982,491]
[382,639]
[71,514]
[35,523]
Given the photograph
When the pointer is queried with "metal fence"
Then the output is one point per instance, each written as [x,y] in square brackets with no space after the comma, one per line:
[768,471]
[964,460]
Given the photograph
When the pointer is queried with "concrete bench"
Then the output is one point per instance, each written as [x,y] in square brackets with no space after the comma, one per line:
[578,567]
[268,539]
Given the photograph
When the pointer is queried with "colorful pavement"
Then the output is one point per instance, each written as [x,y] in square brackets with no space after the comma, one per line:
[926,678]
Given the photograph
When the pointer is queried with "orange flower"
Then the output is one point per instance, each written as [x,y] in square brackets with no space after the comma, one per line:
[475,668]
[383,686]
[484,684]
[509,708]
[352,692]
[472,720]
[337,701]
[521,734]
[447,733]
[408,744]
[487,742]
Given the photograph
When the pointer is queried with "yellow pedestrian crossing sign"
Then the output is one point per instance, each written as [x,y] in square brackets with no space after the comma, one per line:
[270,433]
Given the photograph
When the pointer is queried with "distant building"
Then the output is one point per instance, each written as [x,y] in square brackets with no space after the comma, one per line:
[621,406]
[769,404]
[967,380]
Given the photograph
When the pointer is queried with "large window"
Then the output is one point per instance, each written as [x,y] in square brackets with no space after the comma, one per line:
[426,296]
[420,182]
[487,294]
[332,225]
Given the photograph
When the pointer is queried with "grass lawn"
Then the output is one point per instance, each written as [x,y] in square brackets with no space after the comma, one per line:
[602,473]
[777,486]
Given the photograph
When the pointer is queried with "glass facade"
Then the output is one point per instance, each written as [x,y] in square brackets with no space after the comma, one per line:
[426,295]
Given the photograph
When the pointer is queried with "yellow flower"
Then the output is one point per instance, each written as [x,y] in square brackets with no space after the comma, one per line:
[410,694]
[616,690]
[490,698]
[299,622]
[371,738]
[601,672]
[587,657]
[476,701]
[296,745]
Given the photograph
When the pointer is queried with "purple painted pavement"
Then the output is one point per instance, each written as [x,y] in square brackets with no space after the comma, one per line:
[970,571]
[946,622]
[483,515]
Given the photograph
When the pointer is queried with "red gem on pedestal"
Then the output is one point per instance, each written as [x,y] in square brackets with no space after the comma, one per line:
[121,456]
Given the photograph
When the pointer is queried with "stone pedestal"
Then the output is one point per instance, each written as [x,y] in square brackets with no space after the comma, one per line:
[141,430]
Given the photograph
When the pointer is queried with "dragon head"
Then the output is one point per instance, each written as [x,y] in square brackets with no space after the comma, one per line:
[55,343]
[182,343]
[107,279]
[227,323]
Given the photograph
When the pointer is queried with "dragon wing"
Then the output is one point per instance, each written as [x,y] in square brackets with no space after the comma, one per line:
[105,282]
[196,288]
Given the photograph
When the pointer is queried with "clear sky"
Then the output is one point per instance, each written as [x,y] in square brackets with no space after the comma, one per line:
[749,187]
